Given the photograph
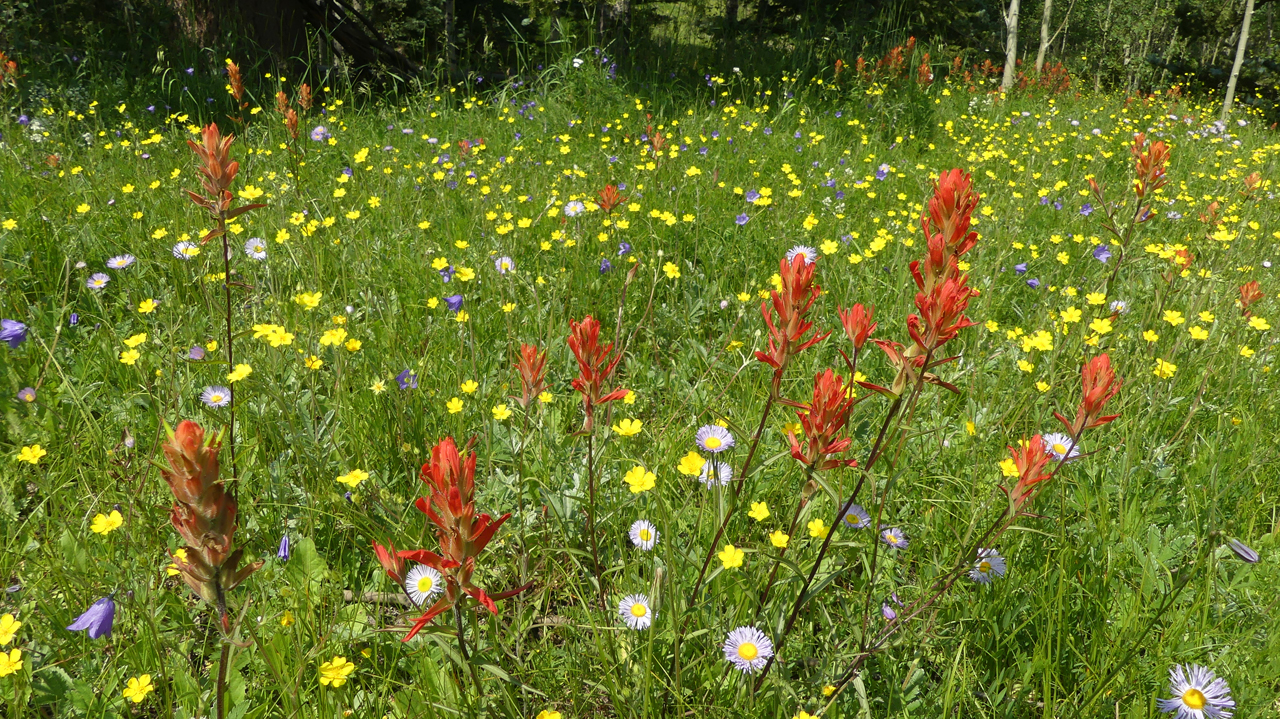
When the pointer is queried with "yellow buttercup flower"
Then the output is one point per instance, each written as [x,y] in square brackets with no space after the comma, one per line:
[454,405]
[1008,467]
[691,464]
[672,270]
[333,337]
[731,557]
[31,454]
[107,523]
[307,300]
[129,357]
[501,412]
[138,688]
[354,477]
[640,479]
[628,427]
[1163,369]
[778,539]
[136,340]
[240,372]
[818,528]
[759,510]
[470,386]
[11,662]
[8,629]
[335,672]
[148,306]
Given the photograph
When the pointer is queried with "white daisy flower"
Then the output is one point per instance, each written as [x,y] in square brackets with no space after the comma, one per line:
[805,251]
[723,474]
[643,534]
[574,208]
[634,611]
[97,280]
[1057,444]
[1198,693]
[216,396]
[857,517]
[423,583]
[894,538]
[186,250]
[714,438]
[256,248]
[988,566]
[747,649]
[119,262]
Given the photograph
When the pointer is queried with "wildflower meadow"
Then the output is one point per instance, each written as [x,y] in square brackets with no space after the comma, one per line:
[771,397]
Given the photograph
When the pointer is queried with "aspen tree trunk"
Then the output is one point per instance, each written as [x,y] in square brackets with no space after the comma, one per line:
[1011,45]
[1044,35]
[1235,67]
[451,39]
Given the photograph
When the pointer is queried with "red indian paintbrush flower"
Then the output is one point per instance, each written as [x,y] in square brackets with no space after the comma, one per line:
[946,228]
[822,421]
[1149,165]
[235,82]
[532,367]
[204,516]
[595,366]
[1250,292]
[791,305]
[941,313]
[282,102]
[218,171]
[1031,460]
[857,324]
[610,199]
[1099,383]
[390,561]
[463,535]
[908,369]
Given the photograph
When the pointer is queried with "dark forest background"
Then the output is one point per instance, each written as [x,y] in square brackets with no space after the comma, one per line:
[1125,45]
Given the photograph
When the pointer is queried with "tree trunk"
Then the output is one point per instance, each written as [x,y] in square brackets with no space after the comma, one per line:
[1235,67]
[730,17]
[1044,35]
[451,39]
[1011,46]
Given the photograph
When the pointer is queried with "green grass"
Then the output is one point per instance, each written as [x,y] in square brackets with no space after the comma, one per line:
[1124,572]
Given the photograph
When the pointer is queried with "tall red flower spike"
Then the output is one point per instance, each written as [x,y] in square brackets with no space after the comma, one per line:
[941,313]
[822,421]
[595,367]
[1099,383]
[857,324]
[1250,292]
[791,305]
[610,198]
[390,561]
[532,368]
[1149,165]
[946,229]
[1031,461]
[462,534]
[204,516]
[218,171]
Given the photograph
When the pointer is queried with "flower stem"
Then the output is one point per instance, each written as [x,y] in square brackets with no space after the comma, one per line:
[222,677]
[591,516]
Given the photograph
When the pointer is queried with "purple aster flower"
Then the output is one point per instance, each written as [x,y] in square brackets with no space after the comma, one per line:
[1057,204]
[768,131]
[1033,283]
[27,394]
[623,248]
[454,302]
[605,265]
[196,352]
[446,273]
[1086,209]
[97,280]
[857,517]
[882,172]
[1044,200]
[319,133]
[408,379]
[504,264]
[1020,268]
[1173,215]
[24,120]
[1243,551]
[13,332]
[751,196]
[283,551]
[97,619]
[742,219]
[894,537]
[1101,253]
[119,262]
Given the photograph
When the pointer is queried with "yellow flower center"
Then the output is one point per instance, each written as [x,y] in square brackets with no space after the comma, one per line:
[1059,448]
[984,567]
[712,442]
[425,584]
[215,397]
[891,539]
[1194,699]
[638,610]
[748,651]
[645,535]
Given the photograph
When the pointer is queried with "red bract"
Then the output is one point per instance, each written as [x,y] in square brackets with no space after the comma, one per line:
[941,313]
[1099,383]
[390,561]
[786,334]
[218,171]
[857,324]
[532,367]
[610,198]
[1149,165]
[909,368]
[1030,461]
[463,535]
[822,420]
[595,366]
[946,228]
[204,516]
[1250,292]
